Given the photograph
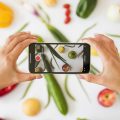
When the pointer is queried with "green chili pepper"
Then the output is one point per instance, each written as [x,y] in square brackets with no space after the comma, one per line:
[85,8]
[56,93]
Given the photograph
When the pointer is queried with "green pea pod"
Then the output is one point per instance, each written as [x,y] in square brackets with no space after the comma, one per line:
[57,34]
[57,93]
[85,8]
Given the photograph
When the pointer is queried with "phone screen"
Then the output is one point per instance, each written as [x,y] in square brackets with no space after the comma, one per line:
[59,58]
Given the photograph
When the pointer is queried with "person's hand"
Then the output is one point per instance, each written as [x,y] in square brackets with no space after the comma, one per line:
[9,74]
[110,76]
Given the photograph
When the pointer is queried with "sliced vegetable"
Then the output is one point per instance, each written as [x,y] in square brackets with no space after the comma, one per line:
[72,54]
[50,3]
[6,15]
[106,97]
[31,106]
[85,8]
[114,12]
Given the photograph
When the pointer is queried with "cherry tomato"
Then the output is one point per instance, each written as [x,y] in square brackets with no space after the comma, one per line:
[67,13]
[67,20]
[7,90]
[67,6]
[107,97]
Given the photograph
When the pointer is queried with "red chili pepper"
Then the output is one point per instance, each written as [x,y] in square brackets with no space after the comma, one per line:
[7,90]
[67,20]
[67,6]
[67,13]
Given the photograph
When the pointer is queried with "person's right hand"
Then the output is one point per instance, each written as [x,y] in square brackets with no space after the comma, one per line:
[110,76]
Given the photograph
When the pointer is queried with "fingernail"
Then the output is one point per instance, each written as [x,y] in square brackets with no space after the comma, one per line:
[38,76]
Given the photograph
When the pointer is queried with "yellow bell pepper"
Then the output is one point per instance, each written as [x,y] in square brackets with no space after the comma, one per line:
[6,15]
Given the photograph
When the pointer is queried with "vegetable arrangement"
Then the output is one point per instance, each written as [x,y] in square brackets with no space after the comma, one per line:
[106,97]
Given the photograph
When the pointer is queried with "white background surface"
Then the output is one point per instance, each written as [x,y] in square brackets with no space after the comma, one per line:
[10,105]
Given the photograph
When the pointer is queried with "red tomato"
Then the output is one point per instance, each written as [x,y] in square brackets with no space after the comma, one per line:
[107,97]
[67,6]
[67,13]
[7,90]
[67,20]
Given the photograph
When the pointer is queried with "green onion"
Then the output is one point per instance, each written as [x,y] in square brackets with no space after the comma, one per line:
[23,27]
[48,102]
[113,35]
[66,88]
[27,89]
[86,30]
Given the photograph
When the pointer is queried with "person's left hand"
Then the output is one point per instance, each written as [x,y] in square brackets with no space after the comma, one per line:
[9,73]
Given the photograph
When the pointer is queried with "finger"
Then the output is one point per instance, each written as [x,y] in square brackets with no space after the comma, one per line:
[98,45]
[14,35]
[20,47]
[103,37]
[17,40]
[111,48]
[92,78]
[28,76]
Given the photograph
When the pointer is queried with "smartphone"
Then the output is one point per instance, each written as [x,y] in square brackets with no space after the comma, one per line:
[59,58]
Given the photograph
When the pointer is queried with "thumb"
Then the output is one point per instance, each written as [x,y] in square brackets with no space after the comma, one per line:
[28,76]
[91,78]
